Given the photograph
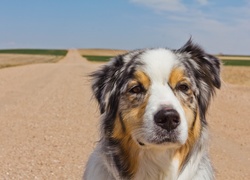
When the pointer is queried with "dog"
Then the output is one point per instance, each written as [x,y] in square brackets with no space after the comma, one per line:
[153,105]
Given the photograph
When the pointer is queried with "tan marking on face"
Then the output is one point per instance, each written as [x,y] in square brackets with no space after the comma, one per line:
[176,76]
[193,118]
[132,119]
[140,77]
[143,79]
[134,115]
[130,149]
[193,134]
[189,114]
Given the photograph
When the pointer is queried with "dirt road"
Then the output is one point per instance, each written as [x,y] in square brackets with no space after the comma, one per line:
[48,122]
[47,119]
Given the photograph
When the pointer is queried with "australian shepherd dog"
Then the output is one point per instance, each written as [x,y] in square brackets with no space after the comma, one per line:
[153,105]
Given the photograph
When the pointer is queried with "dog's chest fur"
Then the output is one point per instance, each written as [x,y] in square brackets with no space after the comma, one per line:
[157,165]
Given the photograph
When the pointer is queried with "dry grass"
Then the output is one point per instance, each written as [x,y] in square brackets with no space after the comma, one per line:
[10,60]
[236,75]
[227,57]
[115,52]
[101,52]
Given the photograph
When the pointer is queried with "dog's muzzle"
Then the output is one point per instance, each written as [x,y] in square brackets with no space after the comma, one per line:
[167,119]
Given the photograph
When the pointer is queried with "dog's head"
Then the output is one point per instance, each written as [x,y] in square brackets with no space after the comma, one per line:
[155,96]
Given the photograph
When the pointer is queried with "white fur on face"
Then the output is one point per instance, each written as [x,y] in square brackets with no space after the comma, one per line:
[158,65]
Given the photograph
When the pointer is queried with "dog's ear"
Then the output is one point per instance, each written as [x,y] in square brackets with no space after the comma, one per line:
[99,83]
[209,65]
[104,80]
[206,70]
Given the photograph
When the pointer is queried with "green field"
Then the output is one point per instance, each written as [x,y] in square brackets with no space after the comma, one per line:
[58,52]
[98,58]
[225,62]
[236,62]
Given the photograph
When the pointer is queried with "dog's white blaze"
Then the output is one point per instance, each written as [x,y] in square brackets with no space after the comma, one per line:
[158,65]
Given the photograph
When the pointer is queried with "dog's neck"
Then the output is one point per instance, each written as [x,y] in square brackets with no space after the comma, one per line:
[135,161]
[157,164]
[138,161]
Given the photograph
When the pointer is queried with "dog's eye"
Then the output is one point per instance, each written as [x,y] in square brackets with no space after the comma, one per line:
[136,89]
[183,87]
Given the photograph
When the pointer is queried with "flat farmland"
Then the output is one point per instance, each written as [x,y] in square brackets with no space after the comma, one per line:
[234,60]
[17,57]
[49,120]
[236,75]
[101,52]
[9,60]
[233,57]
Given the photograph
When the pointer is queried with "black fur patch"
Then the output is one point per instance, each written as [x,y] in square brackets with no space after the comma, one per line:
[114,151]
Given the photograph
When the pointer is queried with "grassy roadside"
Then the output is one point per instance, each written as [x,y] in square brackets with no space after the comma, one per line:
[225,62]
[236,62]
[59,52]
[17,61]
[18,57]
[98,58]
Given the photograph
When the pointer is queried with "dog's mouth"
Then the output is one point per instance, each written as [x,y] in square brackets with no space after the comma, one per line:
[159,139]
[166,142]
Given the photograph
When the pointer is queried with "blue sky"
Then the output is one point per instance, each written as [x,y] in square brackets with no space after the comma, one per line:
[220,26]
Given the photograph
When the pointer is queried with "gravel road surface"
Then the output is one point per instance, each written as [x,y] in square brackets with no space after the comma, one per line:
[49,122]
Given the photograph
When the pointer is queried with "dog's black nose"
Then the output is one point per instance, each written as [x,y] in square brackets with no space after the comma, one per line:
[168,119]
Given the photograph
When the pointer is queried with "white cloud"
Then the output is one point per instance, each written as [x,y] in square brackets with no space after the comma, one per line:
[162,5]
[214,35]
[218,30]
